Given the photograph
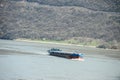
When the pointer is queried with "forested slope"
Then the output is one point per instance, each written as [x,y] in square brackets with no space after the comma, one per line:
[81,20]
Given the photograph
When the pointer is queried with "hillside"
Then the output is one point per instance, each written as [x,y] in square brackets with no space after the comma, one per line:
[97,5]
[81,20]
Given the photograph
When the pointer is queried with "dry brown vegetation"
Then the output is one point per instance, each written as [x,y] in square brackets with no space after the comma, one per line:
[81,20]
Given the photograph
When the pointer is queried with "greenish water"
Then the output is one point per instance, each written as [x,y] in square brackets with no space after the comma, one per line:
[30,61]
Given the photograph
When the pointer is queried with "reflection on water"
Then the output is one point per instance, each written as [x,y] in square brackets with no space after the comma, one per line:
[44,67]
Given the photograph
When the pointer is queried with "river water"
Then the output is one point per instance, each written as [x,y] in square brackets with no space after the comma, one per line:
[30,61]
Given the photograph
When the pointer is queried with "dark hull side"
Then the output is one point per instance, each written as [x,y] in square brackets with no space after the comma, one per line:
[64,55]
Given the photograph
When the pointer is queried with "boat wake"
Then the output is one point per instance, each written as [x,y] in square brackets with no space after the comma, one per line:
[78,59]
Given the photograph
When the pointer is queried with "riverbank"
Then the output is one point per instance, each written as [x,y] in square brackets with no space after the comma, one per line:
[52,42]
[64,43]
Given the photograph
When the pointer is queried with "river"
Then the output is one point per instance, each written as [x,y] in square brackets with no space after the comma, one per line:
[30,61]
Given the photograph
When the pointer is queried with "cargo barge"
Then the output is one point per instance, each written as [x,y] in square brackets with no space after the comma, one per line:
[60,53]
